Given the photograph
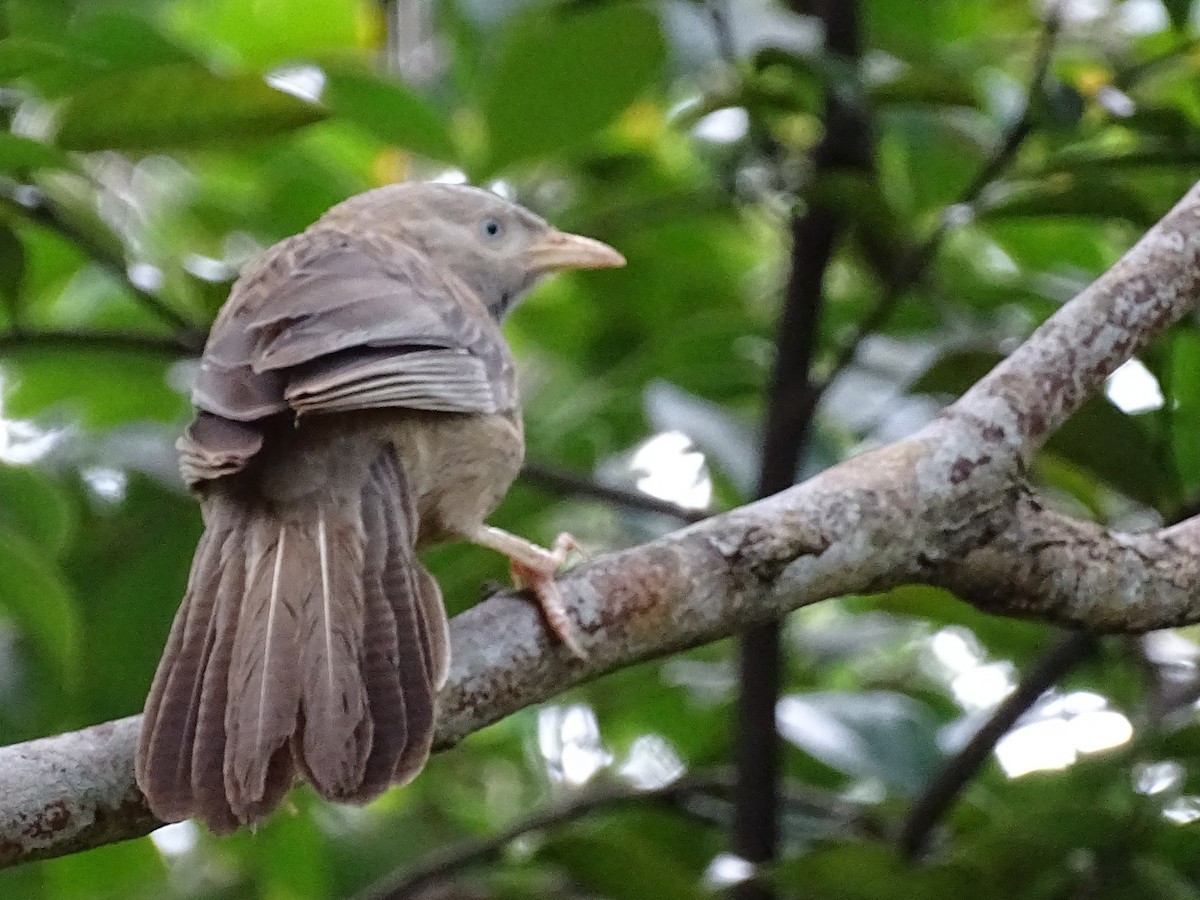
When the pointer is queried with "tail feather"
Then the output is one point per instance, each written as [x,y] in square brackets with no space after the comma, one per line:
[335,740]
[210,800]
[381,659]
[163,764]
[400,585]
[435,628]
[261,692]
[310,639]
[411,591]
[432,625]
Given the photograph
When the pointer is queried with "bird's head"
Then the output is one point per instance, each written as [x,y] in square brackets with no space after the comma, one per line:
[498,248]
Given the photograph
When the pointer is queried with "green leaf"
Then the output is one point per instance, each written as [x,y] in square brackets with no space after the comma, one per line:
[93,46]
[1149,876]
[1072,195]
[390,111]
[1056,473]
[19,155]
[34,507]
[927,31]
[122,41]
[126,870]
[37,18]
[875,734]
[177,106]
[1060,105]
[23,56]
[129,575]
[658,858]
[34,595]
[564,74]
[862,871]
[941,86]
[952,373]
[1016,639]
[269,32]
[928,155]
[100,388]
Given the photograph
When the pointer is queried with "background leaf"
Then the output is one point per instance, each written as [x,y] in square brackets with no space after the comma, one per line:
[390,112]
[177,106]
[869,735]
[557,78]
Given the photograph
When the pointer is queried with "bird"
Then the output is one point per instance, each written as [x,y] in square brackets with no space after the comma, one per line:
[355,402]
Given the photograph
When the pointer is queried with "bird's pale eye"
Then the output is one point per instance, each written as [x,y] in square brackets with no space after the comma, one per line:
[492,228]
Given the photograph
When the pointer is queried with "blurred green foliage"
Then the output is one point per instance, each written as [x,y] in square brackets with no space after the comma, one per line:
[150,148]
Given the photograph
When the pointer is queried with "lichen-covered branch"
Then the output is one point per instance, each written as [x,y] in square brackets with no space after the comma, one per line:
[1033,391]
[947,506]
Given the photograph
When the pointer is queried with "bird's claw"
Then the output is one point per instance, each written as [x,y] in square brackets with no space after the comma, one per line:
[540,580]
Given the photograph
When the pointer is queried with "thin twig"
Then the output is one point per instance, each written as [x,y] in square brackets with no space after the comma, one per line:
[1054,663]
[913,265]
[41,211]
[563,481]
[450,861]
[722,28]
[607,796]
[173,347]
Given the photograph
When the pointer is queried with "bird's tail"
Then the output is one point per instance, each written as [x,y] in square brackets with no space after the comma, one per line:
[310,639]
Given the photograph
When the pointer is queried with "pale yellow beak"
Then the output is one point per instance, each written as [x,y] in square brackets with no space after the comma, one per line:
[559,250]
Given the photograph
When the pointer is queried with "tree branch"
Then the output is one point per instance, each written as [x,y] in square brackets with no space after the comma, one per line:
[171,347]
[1055,662]
[563,481]
[947,506]
[39,210]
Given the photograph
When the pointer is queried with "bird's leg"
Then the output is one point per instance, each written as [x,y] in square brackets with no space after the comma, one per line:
[535,567]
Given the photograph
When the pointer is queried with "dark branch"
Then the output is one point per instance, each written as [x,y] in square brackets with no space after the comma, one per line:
[1059,659]
[173,347]
[563,481]
[722,28]
[39,210]
[789,412]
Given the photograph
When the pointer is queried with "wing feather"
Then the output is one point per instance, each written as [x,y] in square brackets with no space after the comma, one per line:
[327,311]
[329,322]
[439,380]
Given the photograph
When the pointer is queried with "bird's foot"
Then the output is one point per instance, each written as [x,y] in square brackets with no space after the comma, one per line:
[534,567]
[539,578]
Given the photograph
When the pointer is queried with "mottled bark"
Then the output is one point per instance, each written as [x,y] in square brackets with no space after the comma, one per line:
[948,507]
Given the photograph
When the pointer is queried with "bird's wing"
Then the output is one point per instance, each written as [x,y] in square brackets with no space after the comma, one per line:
[435,379]
[330,322]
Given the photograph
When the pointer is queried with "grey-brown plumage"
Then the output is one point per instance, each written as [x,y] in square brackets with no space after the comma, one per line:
[355,401]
